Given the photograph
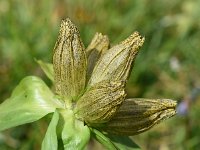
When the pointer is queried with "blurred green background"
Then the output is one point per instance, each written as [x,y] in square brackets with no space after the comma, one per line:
[168,65]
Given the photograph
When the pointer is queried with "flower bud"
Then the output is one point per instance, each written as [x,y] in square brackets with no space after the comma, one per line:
[100,102]
[138,115]
[98,45]
[116,63]
[69,61]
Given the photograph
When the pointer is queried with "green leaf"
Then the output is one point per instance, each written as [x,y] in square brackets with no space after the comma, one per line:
[50,141]
[101,138]
[75,134]
[123,142]
[47,68]
[113,142]
[30,101]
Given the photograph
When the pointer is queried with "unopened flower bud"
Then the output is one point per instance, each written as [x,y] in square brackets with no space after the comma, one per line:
[69,61]
[98,45]
[100,102]
[117,62]
[138,115]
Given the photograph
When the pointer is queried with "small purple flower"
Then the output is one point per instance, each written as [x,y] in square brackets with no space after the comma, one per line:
[182,108]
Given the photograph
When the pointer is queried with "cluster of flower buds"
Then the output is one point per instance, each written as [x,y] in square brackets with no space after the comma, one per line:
[94,79]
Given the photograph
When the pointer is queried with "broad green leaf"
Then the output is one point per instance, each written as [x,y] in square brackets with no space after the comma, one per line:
[75,134]
[47,68]
[50,141]
[123,142]
[101,138]
[30,101]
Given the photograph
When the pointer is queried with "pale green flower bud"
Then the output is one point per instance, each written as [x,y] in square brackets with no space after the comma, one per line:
[116,63]
[98,45]
[100,102]
[69,61]
[138,115]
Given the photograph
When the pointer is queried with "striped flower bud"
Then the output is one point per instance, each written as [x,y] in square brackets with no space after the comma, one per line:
[69,61]
[138,115]
[98,45]
[116,63]
[100,102]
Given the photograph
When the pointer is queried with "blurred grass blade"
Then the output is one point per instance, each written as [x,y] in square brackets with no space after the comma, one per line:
[74,134]
[47,68]
[123,142]
[101,138]
[30,101]
[50,140]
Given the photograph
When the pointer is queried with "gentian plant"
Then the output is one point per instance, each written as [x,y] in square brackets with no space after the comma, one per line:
[89,99]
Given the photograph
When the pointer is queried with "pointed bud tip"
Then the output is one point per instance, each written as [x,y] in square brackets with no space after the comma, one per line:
[68,26]
[166,114]
[135,40]
[169,103]
[99,42]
